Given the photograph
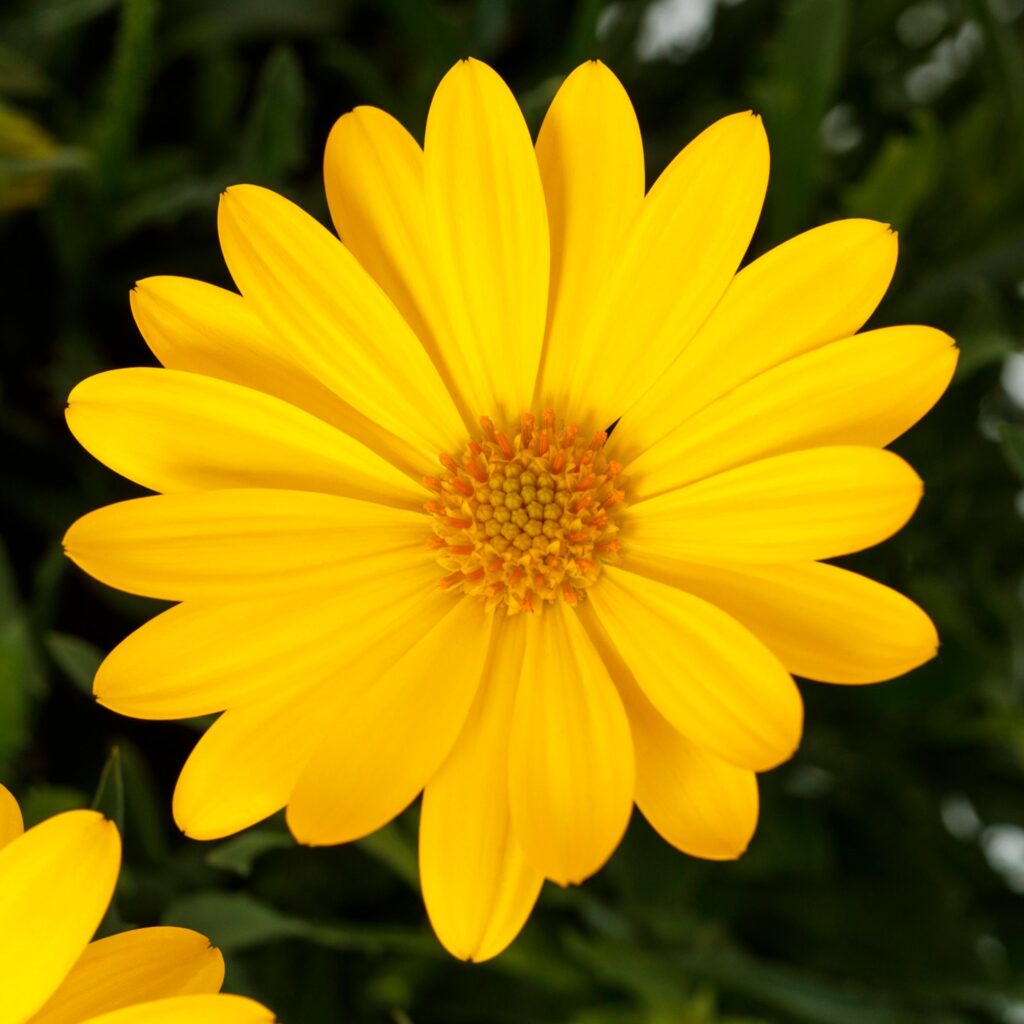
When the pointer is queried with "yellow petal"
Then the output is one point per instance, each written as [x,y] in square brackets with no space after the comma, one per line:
[713,680]
[477,886]
[202,1009]
[11,824]
[699,803]
[821,621]
[312,292]
[813,289]
[803,505]
[134,967]
[247,764]
[241,543]
[197,327]
[373,173]
[55,883]
[571,767]
[591,161]
[863,390]
[175,431]
[178,664]
[489,232]
[382,745]
[683,250]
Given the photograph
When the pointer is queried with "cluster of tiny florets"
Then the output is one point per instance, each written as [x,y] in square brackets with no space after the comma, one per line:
[523,520]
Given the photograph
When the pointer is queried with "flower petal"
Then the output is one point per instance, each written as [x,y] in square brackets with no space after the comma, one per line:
[712,680]
[247,764]
[864,390]
[200,328]
[56,881]
[202,1009]
[795,507]
[821,621]
[11,824]
[591,161]
[477,886]
[134,967]
[817,287]
[312,292]
[683,250]
[240,543]
[489,232]
[699,803]
[382,746]
[177,432]
[571,767]
[178,665]
[373,173]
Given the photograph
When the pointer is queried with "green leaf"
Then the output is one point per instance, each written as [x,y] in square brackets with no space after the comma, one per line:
[78,659]
[393,847]
[109,796]
[274,140]
[901,177]
[238,855]
[233,921]
[804,64]
[114,128]
[44,801]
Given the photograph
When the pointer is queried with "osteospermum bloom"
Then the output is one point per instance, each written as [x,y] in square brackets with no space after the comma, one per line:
[517,495]
[56,881]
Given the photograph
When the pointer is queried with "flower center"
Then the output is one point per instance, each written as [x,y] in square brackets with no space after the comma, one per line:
[522,520]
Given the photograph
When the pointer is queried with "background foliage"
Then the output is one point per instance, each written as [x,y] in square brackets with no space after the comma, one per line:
[886,883]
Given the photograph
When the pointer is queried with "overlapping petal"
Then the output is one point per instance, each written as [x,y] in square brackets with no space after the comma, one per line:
[134,967]
[699,803]
[239,543]
[246,765]
[477,885]
[56,881]
[864,390]
[712,679]
[178,664]
[382,746]
[489,238]
[174,432]
[804,505]
[311,291]
[813,289]
[571,767]
[200,328]
[373,174]
[821,621]
[679,257]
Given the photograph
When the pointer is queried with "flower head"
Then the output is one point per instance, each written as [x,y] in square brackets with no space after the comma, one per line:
[517,495]
[56,880]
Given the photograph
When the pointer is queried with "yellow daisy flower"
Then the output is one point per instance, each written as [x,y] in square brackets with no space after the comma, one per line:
[56,881]
[517,496]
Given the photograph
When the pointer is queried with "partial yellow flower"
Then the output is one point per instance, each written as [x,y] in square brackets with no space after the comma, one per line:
[56,881]
[517,496]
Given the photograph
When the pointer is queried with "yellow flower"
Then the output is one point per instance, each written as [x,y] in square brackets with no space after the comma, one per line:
[518,497]
[55,883]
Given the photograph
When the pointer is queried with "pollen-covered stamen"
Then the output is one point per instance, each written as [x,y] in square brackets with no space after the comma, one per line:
[525,517]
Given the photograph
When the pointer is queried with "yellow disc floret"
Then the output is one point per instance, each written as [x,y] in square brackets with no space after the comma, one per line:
[526,519]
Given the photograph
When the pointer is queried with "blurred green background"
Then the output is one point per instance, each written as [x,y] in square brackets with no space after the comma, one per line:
[886,882]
